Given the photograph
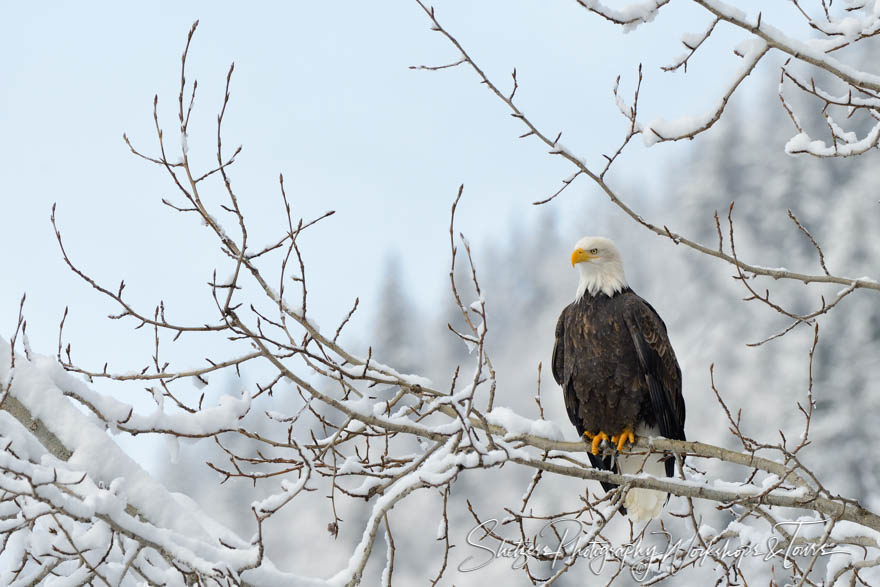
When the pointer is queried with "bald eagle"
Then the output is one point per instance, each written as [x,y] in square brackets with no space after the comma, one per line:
[618,372]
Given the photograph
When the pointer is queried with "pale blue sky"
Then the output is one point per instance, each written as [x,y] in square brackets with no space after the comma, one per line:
[321,92]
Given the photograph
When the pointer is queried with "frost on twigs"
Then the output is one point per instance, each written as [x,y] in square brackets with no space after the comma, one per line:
[358,433]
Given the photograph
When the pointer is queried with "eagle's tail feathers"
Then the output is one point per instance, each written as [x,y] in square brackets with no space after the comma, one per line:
[643,504]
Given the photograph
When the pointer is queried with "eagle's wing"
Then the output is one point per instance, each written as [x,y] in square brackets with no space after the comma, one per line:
[658,363]
[572,402]
[563,376]
[558,364]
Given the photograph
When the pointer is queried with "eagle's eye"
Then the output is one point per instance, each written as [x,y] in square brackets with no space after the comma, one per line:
[594,251]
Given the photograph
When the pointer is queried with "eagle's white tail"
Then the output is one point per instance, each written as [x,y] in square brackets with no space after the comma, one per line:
[643,504]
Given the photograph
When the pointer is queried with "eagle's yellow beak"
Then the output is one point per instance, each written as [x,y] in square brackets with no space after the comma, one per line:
[580,255]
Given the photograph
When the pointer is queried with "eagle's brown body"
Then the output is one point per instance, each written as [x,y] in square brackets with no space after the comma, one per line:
[617,370]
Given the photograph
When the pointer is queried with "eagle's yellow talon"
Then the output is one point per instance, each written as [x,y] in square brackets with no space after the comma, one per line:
[621,439]
[597,440]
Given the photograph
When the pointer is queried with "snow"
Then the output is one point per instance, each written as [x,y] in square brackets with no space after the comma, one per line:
[661,129]
[389,558]
[850,27]
[277,416]
[207,421]
[771,269]
[517,425]
[634,14]
[470,342]
[836,562]
[158,397]
[691,40]
[847,136]
[100,479]
[351,465]
[26,343]
[769,481]
[802,48]
[172,443]
[384,373]
[366,485]
[93,451]
[276,501]
[802,143]
[845,529]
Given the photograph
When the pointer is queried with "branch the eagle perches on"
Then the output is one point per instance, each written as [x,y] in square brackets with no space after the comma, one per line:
[353,434]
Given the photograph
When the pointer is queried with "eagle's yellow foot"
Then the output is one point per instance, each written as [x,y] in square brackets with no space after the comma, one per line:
[621,439]
[596,440]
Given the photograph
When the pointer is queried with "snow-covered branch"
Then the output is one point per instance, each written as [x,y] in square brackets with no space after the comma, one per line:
[837,27]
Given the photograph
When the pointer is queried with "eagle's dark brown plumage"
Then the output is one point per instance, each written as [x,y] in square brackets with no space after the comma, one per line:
[613,359]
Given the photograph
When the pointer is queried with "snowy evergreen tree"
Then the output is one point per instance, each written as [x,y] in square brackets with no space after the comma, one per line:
[398,331]
[836,200]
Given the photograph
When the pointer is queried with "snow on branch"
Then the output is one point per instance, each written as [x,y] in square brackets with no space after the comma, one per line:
[630,15]
[689,127]
[837,27]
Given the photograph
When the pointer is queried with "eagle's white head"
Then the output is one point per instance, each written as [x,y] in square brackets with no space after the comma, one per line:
[600,267]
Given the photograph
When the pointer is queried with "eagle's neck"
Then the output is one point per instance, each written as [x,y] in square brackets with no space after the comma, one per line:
[607,278]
